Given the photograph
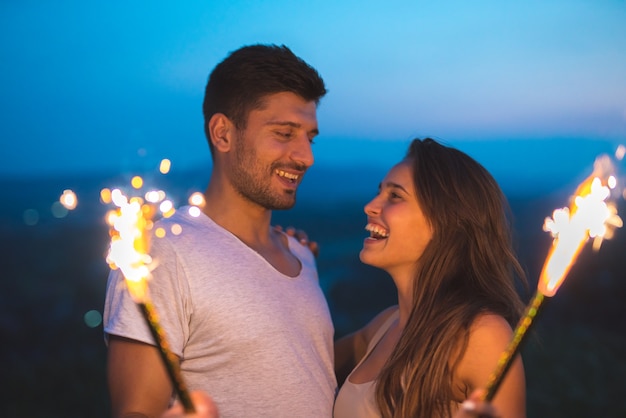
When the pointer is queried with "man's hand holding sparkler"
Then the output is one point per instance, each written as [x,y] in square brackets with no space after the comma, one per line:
[204,405]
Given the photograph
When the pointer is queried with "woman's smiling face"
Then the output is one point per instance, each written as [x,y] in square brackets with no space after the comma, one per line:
[399,231]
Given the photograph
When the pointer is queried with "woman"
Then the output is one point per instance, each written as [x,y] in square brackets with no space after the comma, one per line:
[439,228]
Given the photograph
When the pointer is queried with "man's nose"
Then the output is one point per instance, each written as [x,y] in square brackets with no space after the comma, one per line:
[302,151]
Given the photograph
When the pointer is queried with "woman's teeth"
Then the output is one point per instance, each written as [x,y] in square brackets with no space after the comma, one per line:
[376,231]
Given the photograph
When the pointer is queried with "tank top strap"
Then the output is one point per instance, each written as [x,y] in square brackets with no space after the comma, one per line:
[378,335]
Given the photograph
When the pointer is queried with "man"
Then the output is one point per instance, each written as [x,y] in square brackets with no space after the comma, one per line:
[239,301]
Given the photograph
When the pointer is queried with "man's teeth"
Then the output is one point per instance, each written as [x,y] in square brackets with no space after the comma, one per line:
[289,176]
[376,231]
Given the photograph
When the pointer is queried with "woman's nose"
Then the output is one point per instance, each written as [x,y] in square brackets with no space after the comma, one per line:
[372,207]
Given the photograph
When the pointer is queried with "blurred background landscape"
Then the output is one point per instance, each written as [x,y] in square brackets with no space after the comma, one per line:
[54,275]
[94,93]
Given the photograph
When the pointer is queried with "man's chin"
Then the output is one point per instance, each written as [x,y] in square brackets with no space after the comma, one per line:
[285,204]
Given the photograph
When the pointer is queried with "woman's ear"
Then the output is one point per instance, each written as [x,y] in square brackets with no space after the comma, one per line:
[221,130]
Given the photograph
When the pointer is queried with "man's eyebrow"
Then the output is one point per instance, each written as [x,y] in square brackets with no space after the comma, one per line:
[314,131]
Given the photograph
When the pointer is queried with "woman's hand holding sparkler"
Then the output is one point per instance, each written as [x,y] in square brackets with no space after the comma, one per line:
[476,407]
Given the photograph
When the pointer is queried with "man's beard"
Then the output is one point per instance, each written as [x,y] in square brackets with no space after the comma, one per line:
[253,180]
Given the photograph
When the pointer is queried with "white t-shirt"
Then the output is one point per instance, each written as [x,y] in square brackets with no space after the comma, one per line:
[260,343]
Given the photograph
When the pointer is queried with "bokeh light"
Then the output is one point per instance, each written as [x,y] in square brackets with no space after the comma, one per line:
[154,196]
[105,196]
[92,318]
[619,153]
[30,217]
[136,182]
[194,211]
[68,199]
[165,166]
[58,210]
[176,229]
[167,208]
[197,199]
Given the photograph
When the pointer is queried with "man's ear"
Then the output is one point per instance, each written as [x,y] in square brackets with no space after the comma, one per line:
[221,131]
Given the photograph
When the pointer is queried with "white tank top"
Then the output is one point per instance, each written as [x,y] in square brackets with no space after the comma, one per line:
[357,400]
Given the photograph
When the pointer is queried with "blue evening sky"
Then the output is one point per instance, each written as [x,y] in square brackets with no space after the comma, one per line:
[118,85]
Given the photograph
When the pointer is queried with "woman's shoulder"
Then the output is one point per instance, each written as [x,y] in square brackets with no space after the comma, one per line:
[378,321]
[491,328]
[489,335]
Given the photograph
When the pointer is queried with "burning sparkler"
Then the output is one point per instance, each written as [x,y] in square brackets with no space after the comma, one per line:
[588,216]
[130,225]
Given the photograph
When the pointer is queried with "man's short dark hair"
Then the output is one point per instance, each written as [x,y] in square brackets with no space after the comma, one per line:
[238,84]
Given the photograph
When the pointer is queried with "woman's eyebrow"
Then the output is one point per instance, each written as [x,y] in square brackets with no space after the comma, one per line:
[393,185]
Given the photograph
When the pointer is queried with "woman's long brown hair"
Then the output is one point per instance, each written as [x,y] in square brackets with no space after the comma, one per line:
[469,267]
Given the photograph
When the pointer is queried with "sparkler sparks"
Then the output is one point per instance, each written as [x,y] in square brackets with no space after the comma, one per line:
[590,215]
[128,251]
[131,224]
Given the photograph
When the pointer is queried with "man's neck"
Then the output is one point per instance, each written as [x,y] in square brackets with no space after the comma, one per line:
[244,219]
[251,223]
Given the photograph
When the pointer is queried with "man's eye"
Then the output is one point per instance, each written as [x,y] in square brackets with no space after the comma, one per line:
[311,141]
[286,135]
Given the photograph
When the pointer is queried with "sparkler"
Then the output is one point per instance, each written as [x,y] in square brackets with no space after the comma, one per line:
[588,216]
[129,251]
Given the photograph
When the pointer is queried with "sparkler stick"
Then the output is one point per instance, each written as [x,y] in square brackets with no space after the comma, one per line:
[588,216]
[169,358]
[129,252]
[506,359]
